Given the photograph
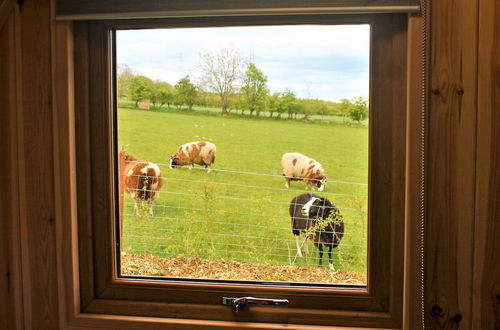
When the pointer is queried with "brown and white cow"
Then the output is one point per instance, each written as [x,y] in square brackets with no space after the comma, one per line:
[199,152]
[141,179]
[297,167]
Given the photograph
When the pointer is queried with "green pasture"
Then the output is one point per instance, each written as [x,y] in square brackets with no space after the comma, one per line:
[239,211]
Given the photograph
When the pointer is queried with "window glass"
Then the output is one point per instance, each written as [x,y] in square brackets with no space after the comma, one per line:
[243,153]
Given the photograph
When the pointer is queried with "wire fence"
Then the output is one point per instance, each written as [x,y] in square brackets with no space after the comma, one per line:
[249,172]
[222,216]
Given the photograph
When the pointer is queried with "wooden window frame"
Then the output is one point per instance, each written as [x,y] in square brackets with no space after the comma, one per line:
[96,287]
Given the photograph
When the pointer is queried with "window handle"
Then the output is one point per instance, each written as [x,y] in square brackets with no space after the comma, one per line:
[244,302]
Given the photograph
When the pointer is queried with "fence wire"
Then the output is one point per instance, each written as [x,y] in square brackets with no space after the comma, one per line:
[210,218]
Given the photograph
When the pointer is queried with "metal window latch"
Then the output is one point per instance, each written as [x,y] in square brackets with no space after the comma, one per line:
[244,302]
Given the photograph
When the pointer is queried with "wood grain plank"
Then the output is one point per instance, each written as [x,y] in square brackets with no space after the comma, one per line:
[451,164]
[64,162]
[112,322]
[36,168]
[486,293]
[413,302]
[265,314]
[83,171]
[6,10]
[9,264]
[101,151]
[387,151]
[17,167]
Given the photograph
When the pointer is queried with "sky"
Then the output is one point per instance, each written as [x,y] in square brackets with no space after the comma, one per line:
[314,61]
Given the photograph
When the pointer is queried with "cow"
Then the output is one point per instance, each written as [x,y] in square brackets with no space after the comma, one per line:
[297,167]
[199,152]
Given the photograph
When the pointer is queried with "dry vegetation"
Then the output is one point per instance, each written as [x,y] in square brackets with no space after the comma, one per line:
[181,267]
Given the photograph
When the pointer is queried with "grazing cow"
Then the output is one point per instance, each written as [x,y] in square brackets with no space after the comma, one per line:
[200,152]
[297,167]
[141,179]
[320,220]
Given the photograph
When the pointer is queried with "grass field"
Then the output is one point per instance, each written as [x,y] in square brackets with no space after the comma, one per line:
[239,212]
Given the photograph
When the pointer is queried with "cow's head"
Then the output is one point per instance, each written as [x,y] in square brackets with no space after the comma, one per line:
[306,209]
[174,161]
[123,156]
[318,207]
[320,182]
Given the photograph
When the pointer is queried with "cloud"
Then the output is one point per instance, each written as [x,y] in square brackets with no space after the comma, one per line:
[321,61]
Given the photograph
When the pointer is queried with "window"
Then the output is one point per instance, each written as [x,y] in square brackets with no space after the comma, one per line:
[230,219]
[102,288]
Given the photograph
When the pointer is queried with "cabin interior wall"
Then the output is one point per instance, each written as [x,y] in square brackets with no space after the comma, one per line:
[462,257]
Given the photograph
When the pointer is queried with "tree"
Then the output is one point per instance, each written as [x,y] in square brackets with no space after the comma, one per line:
[140,89]
[309,108]
[297,107]
[273,103]
[124,77]
[165,93]
[359,109]
[333,108]
[345,106]
[153,94]
[177,100]
[221,71]
[321,108]
[186,92]
[288,103]
[254,89]
[240,103]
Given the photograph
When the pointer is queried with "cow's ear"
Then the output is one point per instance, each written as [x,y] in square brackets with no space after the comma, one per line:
[328,203]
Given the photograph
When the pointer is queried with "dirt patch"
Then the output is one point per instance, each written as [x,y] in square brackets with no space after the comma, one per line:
[181,267]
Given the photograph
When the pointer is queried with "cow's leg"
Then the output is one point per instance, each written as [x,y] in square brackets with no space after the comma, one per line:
[207,161]
[150,206]
[297,242]
[287,182]
[320,251]
[136,207]
[330,260]
[307,184]
[310,184]
[306,247]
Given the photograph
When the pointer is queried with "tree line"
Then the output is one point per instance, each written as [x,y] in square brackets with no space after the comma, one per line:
[233,85]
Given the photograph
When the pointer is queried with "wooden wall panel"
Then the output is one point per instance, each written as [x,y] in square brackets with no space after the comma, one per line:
[413,257]
[64,161]
[463,191]
[11,284]
[8,272]
[451,164]
[36,167]
[486,290]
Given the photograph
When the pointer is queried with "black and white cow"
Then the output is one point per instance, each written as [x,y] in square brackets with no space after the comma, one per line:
[320,220]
